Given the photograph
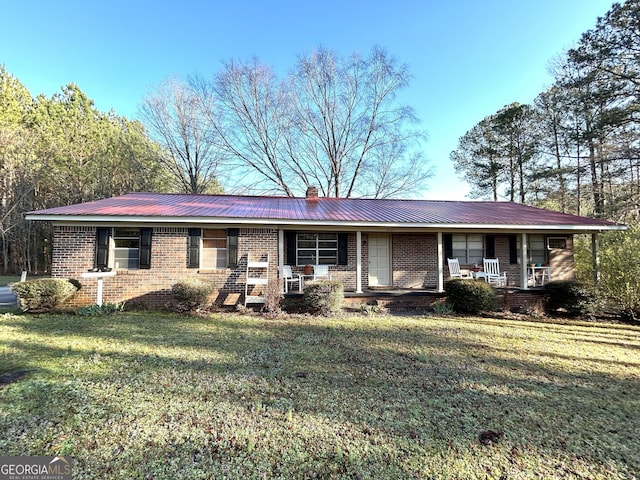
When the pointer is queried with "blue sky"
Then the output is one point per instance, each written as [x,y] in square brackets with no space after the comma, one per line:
[468,58]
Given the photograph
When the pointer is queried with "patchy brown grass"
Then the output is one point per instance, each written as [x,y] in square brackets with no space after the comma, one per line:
[156,395]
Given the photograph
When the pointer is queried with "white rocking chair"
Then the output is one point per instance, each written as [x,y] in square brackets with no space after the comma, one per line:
[492,272]
[454,269]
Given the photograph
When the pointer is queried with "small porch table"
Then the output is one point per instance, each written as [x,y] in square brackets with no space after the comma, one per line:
[543,273]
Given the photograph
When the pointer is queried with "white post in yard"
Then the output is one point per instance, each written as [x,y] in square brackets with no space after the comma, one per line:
[99,293]
[100,277]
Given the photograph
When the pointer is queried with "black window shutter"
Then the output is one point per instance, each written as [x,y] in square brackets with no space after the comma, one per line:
[102,247]
[343,249]
[194,248]
[448,245]
[490,245]
[144,260]
[232,247]
[291,248]
[513,249]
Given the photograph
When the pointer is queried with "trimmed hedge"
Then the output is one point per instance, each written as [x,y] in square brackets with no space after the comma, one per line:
[573,297]
[192,293]
[470,296]
[324,297]
[44,294]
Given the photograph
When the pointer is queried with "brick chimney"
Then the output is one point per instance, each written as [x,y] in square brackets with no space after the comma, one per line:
[312,192]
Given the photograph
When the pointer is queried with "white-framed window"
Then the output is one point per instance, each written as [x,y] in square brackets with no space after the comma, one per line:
[556,243]
[317,248]
[536,249]
[126,247]
[214,248]
[467,248]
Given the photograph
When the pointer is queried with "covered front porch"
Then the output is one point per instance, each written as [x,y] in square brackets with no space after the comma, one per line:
[416,260]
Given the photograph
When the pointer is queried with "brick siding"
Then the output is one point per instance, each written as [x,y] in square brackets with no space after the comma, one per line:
[414,264]
[415,260]
[74,253]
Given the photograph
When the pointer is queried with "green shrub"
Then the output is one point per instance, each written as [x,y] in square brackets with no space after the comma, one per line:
[324,297]
[572,297]
[43,294]
[192,293]
[470,296]
[620,271]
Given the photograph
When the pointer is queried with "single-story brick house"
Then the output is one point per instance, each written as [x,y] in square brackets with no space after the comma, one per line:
[152,240]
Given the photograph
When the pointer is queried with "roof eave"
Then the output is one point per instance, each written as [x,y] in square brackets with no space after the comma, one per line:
[75,219]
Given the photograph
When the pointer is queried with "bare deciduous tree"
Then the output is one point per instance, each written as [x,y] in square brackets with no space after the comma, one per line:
[251,120]
[334,123]
[351,132]
[177,116]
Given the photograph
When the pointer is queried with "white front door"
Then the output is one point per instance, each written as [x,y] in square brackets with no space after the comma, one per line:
[379,260]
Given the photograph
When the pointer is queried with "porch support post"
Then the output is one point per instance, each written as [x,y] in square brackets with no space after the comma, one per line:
[280,254]
[595,252]
[358,261]
[524,278]
[440,263]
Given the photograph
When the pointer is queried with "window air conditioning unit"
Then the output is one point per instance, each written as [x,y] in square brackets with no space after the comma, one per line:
[556,243]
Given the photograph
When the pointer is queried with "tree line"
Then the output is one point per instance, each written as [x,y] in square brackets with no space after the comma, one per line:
[331,122]
[59,151]
[576,147]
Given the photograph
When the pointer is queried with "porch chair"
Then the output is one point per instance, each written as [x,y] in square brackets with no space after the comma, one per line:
[492,272]
[454,269]
[321,272]
[289,278]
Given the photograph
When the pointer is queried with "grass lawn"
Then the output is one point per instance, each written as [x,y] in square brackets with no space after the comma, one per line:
[7,279]
[162,396]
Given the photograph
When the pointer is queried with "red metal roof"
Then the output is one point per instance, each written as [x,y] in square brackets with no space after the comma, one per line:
[167,207]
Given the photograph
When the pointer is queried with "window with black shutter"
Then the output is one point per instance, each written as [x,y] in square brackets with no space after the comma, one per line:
[343,249]
[317,248]
[490,245]
[144,261]
[290,238]
[103,238]
[193,245]
[123,248]
[447,239]
[213,248]
[513,249]
[232,247]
